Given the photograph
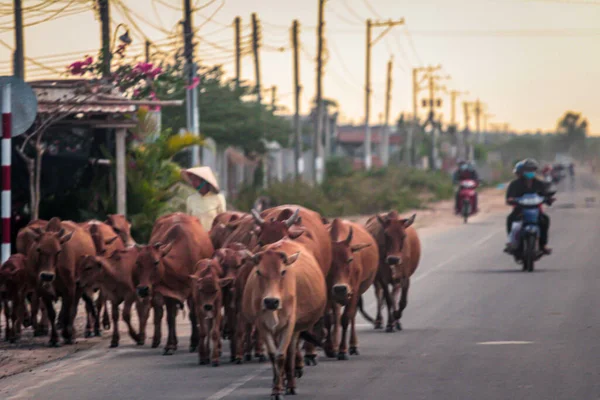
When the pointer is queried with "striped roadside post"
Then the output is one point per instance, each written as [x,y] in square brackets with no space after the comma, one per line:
[6,162]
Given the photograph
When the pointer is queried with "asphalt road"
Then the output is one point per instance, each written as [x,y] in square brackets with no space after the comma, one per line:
[476,327]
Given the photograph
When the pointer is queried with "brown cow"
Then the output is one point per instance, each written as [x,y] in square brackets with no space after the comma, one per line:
[14,285]
[353,270]
[208,301]
[106,241]
[285,295]
[122,227]
[53,258]
[399,255]
[223,225]
[113,275]
[305,226]
[243,231]
[177,243]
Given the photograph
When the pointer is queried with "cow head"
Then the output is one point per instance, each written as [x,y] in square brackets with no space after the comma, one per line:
[150,267]
[122,227]
[230,261]
[100,242]
[394,231]
[344,278]
[90,270]
[12,274]
[274,230]
[46,251]
[208,284]
[271,268]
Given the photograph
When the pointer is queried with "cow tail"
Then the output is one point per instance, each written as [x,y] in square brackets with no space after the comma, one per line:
[310,338]
[363,312]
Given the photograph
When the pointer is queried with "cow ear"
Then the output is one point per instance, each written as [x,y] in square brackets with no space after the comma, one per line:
[289,260]
[358,247]
[165,249]
[295,232]
[225,281]
[65,238]
[37,231]
[408,222]
[111,240]
[383,221]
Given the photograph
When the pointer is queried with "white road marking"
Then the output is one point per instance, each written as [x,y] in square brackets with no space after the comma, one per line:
[240,382]
[500,343]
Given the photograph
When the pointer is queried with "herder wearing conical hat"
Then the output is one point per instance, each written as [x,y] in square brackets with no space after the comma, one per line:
[208,202]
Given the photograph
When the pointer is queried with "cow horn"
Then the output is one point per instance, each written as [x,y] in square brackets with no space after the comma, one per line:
[381,220]
[257,217]
[349,238]
[61,232]
[292,220]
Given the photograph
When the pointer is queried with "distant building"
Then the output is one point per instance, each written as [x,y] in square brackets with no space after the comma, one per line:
[350,142]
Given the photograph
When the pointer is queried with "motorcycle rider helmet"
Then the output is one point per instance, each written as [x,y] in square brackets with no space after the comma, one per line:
[530,167]
[518,168]
[462,165]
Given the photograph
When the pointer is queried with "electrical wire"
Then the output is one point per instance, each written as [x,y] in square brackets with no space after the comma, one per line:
[412,45]
[352,12]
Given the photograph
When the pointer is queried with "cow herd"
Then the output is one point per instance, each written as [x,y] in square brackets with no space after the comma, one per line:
[265,280]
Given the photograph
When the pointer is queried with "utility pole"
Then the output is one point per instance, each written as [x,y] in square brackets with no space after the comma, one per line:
[19,55]
[319,162]
[104,11]
[255,46]
[147,51]
[238,51]
[453,95]
[388,25]
[408,146]
[469,146]
[385,142]
[299,162]
[486,118]
[193,117]
[273,97]
[478,111]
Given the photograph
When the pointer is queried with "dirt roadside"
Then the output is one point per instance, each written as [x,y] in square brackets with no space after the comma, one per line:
[31,352]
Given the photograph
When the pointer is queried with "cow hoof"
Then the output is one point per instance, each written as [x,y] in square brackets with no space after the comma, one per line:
[59,326]
[378,325]
[53,343]
[168,352]
[262,358]
[106,326]
[87,334]
[215,363]
[97,333]
[12,340]
[354,351]
[389,328]
[68,341]
[204,361]
[238,361]
[276,397]
[343,356]
[114,344]
[140,342]
[299,372]
[248,357]
[39,332]
[329,353]
[220,353]
[310,359]
[155,343]
[398,326]
[193,349]
[26,322]
[290,391]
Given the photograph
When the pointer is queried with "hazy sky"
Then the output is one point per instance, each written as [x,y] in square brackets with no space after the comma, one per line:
[528,60]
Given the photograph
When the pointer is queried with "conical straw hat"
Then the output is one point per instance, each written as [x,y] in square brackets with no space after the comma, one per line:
[201,172]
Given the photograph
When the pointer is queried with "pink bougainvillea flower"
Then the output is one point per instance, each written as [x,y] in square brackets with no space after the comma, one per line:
[143,67]
[88,61]
[156,108]
[153,96]
[77,68]
[152,74]
[194,84]
[136,92]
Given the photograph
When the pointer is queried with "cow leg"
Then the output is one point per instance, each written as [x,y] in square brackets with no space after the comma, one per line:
[238,340]
[402,304]
[98,311]
[52,318]
[299,364]
[379,299]
[351,310]
[115,315]
[20,311]
[290,368]
[332,325]
[7,316]
[215,336]
[171,323]
[90,310]
[202,343]
[143,309]
[248,342]
[127,318]
[157,305]
[194,325]
[233,338]
[278,363]
[105,316]
[259,351]
[26,313]
[284,343]
[397,288]
[343,344]
[70,302]
[390,306]
[39,328]
[92,314]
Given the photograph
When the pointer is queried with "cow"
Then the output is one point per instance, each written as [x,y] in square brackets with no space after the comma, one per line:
[242,231]
[399,254]
[284,296]
[113,275]
[306,227]
[207,282]
[177,243]
[53,259]
[106,241]
[14,284]
[354,267]
[223,226]
[121,227]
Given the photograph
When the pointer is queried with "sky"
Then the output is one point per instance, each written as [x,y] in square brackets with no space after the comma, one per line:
[529,61]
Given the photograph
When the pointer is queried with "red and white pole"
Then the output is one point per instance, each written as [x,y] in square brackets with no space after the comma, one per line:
[6,162]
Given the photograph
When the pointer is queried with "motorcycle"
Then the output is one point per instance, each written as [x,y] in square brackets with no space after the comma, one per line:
[466,198]
[525,233]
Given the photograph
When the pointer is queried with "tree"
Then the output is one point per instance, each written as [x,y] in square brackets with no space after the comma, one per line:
[573,130]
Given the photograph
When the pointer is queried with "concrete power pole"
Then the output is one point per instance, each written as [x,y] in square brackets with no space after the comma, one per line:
[299,162]
[255,47]
[319,162]
[478,112]
[468,143]
[104,11]
[370,43]
[238,51]
[192,109]
[147,50]
[19,55]
[273,97]
[453,96]
[385,140]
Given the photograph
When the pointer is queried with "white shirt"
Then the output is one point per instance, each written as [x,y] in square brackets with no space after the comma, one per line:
[206,207]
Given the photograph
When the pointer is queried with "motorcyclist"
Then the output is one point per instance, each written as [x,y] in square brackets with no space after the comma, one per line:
[527,183]
[465,171]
